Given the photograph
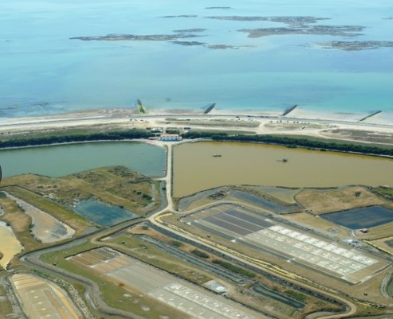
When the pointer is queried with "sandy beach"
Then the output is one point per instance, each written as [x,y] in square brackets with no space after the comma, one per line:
[376,129]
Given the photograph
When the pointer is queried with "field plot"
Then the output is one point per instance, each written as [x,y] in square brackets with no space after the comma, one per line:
[294,245]
[161,286]
[41,299]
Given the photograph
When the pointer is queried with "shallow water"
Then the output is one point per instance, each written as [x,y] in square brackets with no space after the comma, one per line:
[43,71]
[102,214]
[196,169]
[361,217]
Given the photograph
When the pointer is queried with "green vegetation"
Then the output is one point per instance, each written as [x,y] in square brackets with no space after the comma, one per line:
[176,243]
[296,295]
[65,138]
[386,192]
[141,108]
[169,131]
[234,268]
[59,211]
[5,304]
[113,293]
[21,225]
[295,142]
[114,185]
[199,253]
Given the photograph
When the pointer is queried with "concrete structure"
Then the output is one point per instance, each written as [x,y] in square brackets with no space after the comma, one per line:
[170,137]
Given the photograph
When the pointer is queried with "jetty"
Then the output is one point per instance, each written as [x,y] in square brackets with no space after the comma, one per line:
[141,108]
[370,115]
[209,108]
[289,110]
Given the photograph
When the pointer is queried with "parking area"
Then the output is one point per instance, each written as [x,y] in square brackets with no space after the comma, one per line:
[294,245]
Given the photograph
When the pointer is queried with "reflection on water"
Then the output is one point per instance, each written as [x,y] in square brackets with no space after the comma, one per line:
[196,169]
[12,247]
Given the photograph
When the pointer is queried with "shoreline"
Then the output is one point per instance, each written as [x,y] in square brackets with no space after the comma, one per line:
[298,122]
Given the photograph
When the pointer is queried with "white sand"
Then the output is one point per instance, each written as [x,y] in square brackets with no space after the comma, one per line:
[313,123]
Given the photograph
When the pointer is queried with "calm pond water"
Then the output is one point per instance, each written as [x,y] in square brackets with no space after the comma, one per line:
[196,169]
[102,214]
[62,160]
[364,217]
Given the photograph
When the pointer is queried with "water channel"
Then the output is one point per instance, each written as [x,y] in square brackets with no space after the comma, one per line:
[196,169]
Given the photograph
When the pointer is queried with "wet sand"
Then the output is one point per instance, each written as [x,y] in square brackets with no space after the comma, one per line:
[10,244]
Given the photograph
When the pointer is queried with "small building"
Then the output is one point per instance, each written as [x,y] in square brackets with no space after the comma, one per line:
[216,287]
[170,137]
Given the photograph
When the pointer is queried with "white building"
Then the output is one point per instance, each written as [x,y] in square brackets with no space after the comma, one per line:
[170,137]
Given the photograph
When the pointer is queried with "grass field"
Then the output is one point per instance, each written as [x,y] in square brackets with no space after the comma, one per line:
[321,201]
[57,210]
[117,186]
[5,304]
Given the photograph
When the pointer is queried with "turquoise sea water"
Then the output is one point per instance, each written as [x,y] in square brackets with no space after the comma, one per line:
[43,71]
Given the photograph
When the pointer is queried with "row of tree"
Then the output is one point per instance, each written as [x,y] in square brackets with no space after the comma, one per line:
[295,142]
[216,136]
[55,139]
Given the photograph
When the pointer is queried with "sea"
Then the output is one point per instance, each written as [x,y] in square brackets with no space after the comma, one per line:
[44,71]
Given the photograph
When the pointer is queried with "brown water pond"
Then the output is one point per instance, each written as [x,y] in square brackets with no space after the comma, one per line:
[196,168]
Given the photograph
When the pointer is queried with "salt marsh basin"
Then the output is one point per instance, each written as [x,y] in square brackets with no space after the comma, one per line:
[365,217]
[102,214]
[196,169]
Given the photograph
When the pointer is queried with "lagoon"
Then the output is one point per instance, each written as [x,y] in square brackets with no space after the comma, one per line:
[55,161]
[196,169]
